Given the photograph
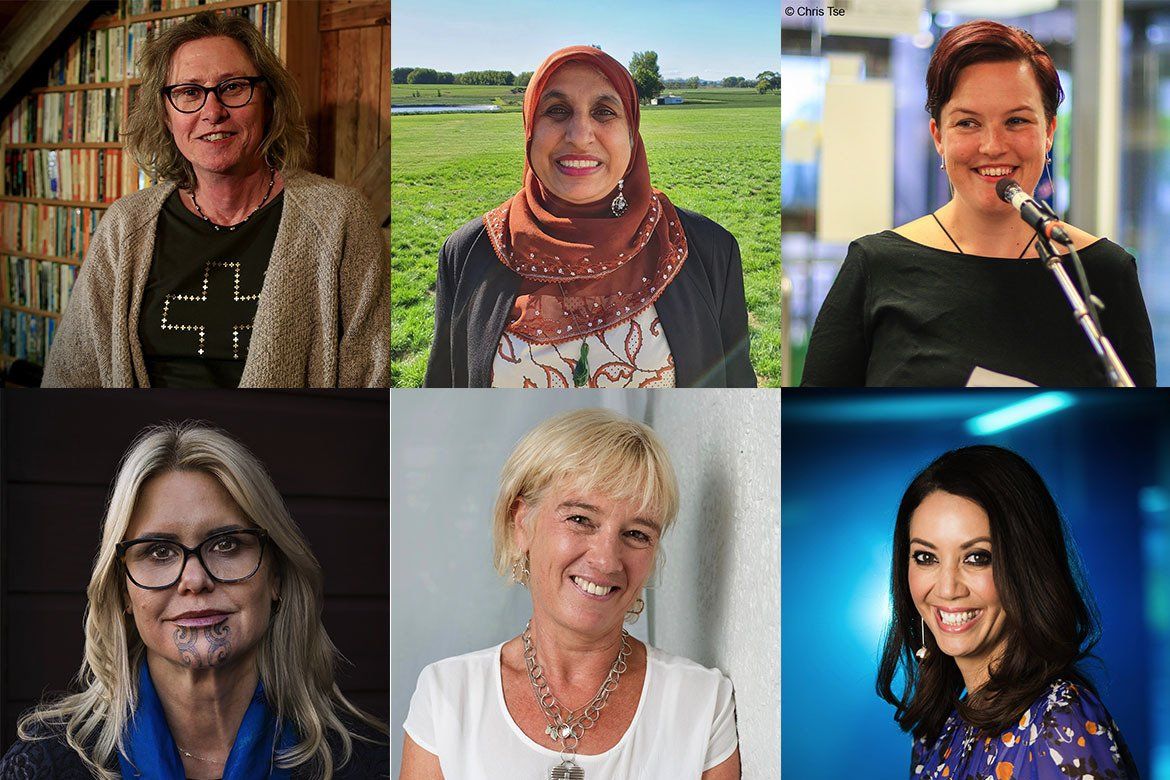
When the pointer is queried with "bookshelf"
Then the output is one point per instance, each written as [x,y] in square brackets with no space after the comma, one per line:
[63,161]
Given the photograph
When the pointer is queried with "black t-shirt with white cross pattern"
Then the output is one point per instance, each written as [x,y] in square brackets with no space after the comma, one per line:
[201,294]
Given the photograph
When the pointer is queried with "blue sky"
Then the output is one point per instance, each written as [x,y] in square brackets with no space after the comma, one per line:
[704,38]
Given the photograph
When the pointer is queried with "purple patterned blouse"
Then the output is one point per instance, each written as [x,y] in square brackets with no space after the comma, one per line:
[1066,733]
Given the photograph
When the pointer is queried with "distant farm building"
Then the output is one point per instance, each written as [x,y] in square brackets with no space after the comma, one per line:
[666,100]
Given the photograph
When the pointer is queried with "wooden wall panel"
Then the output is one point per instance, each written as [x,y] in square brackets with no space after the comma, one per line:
[328,454]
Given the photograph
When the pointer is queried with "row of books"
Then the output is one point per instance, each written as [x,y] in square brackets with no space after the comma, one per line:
[138,7]
[58,231]
[39,284]
[26,336]
[97,56]
[93,175]
[264,16]
[85,116]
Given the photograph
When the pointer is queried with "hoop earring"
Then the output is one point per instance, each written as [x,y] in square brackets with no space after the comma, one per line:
[922,651]
[520,573]
[619,205]
[635,610]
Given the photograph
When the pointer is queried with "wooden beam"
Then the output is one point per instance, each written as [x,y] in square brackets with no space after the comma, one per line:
[374,182]
[343,14]
[31,32]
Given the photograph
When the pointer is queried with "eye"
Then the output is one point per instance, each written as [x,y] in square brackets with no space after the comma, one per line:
[640,538]
[557,110]
[978,558]
[579,520]
[225,544]
[922,557]
[160,552]
[233,87]
[966,123]
[188,92]
[605,112]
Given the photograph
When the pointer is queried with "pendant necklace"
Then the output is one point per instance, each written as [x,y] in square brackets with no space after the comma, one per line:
[195,203]
[567,727]
[581,367]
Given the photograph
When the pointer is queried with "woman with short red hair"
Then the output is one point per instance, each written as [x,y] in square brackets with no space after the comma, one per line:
[961,295]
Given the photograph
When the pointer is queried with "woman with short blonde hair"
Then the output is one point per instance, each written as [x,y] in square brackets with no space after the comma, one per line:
[237,631]
[584,501]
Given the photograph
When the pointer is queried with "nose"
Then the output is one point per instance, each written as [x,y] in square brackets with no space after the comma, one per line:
[950,583]
[213,110]
[579,129]
[605,553]
[992,141]
[194,578]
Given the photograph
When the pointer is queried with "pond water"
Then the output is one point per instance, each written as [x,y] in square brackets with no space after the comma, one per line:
[441,109]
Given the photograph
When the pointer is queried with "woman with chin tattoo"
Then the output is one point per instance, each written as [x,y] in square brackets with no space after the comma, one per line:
[205,655]
[238,268]
[588,276]
[991,623]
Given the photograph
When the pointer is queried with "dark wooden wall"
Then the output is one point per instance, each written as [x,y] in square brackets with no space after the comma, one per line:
[328,454]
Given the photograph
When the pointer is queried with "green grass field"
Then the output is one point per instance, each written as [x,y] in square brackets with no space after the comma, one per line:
[723,162]
[466,94]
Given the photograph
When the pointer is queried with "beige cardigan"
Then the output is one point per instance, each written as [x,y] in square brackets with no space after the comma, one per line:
[323,319]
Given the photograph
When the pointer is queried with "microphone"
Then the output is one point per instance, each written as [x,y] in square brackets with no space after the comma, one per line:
[1031,211]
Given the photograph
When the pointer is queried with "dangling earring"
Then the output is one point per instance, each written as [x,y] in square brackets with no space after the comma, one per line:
[619,205]
[635,610]
[921,654]
[942,163]
[520,573]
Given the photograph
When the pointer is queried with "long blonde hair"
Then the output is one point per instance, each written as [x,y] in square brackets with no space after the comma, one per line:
[296,660]
[286,139]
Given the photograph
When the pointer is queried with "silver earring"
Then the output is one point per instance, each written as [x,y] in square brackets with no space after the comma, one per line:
[520,573]
[619,205]
[635,610]
[942,163]
[921,654]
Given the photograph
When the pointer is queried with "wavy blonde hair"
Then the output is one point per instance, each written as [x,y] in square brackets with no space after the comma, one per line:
[595,449]
[296,659]
[286,138]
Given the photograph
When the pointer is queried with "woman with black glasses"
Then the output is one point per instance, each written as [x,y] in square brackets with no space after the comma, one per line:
[237,269]
[205,655]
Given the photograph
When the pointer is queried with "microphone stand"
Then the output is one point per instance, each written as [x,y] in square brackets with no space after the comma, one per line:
[1086,316]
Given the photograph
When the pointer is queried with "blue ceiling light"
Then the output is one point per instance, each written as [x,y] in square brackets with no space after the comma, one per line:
[1019,413]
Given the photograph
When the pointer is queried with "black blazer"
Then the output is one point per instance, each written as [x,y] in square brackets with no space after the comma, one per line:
[53,759]
[702,310]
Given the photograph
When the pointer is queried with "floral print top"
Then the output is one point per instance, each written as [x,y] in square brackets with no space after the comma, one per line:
[1066,733]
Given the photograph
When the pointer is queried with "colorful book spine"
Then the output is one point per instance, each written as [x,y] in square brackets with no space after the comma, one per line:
[264,16]
[52,231]
[97,56]
[26,336]
[85,116]
[92,175]
[38,284]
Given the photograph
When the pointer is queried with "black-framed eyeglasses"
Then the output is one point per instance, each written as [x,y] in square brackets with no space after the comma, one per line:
[152,563]
[235,92]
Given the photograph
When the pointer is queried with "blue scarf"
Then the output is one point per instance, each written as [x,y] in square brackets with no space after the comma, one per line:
[150,750]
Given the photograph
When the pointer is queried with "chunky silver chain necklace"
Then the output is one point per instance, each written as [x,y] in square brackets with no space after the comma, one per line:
[271,184]
[566,727]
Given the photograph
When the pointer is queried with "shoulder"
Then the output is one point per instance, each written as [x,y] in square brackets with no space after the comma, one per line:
[138,208]
[460,669]
[323,201]
[48,757]
[1104,255]
[685,673]
[1069,726]
[462,241]
[704,229]
[370,752]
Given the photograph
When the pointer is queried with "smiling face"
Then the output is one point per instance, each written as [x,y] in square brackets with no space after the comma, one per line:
[197,623]
[589,557]
[993,127]
[951,581]
[216,139]
[581,141]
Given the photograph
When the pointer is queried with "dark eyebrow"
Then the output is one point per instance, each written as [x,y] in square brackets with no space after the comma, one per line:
[555,94]
[223,529]
[573,504]
[963,546]
[1009,111]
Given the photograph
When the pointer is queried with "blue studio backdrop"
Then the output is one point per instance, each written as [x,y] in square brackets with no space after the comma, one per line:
[848,457]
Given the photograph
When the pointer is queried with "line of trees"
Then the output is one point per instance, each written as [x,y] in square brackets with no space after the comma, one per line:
[481,77]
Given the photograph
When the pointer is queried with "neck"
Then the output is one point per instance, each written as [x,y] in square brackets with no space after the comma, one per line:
[991,234]
[229,198]
[204,707]
[573,662]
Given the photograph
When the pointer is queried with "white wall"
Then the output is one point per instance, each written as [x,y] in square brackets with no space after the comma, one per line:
[718,600]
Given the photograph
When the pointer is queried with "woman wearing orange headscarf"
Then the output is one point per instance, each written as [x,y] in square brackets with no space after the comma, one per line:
[588,276]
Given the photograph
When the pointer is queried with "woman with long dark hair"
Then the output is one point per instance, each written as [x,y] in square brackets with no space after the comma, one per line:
[987,599]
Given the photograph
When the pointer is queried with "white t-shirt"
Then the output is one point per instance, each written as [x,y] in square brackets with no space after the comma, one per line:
[684,725]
